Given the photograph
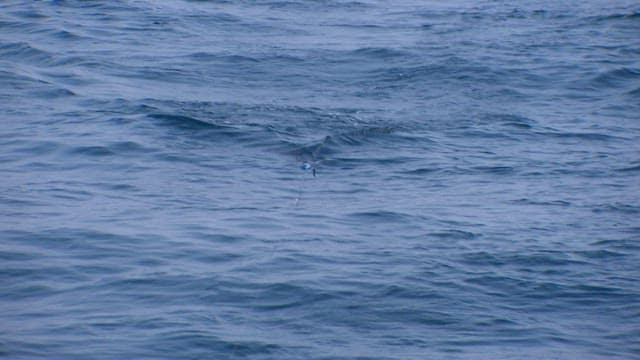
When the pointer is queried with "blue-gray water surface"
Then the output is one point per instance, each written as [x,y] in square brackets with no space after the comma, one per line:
[266,179]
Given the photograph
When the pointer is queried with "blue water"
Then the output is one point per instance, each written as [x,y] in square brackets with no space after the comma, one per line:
[476,191]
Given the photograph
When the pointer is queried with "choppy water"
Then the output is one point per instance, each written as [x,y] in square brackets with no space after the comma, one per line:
[477,188]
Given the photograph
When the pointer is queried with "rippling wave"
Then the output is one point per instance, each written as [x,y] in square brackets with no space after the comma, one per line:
[319,179]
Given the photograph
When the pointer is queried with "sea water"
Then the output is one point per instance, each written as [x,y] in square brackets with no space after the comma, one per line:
[476,191]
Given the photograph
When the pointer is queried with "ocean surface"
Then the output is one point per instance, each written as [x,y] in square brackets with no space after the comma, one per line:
[329,179]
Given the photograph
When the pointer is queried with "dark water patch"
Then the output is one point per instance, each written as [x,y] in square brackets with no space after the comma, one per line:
[419,316]
[389,76]
[195,344]
[91,5]
[17,207]
[617,208]
[144,288]
[518,125]
[361,135]
[22,293]
[422,171]
[167,74]
[310,6]
[28,278]
[349,163]
[381,216]
[327,150]
[31,14]
[618,77]
[64,193]
[264,297]
[92,150]
[452,70]
[416,292]
[545,260]
[634,93]
[510,120]
[19,256]
[114,186]
[496,285]
[189,123]
[631,169]
[251,62]
[66,35]
[20,149]
[494,170]
[474,131]
[52,93]
[312,124]
[600,254]
[12,25]
[579,136]
[16,81]
[349,5]
[128,147]
[453,235]
[203,233]
[593,295]
[616,17]
[217,18]
[530,260]
[235,59]
[122,148]
[276,297]
[311,152]
[622,245]
[525,201]
[534,293]
[33,86]
[380,53]
[216,258]
[176,158]
[91,244]
[25,52]
[120,110]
